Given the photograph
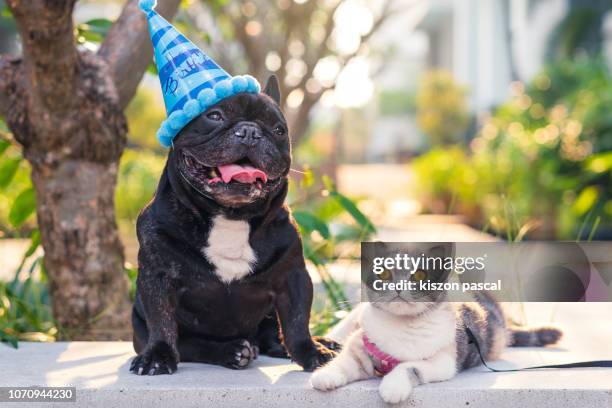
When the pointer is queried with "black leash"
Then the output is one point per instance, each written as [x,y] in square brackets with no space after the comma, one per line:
[581,364]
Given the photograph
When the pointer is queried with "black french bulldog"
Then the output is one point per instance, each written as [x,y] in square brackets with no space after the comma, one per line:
[220,260]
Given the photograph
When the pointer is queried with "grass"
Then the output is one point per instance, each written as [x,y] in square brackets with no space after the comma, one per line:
[25,311]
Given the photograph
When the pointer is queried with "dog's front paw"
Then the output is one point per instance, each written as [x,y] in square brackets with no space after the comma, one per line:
[326,379]
[160,358]
[327,342]
[278,351]
[393,389]
[237,354]
[320,356]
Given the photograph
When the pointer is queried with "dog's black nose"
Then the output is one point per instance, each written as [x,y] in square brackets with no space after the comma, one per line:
[247,133]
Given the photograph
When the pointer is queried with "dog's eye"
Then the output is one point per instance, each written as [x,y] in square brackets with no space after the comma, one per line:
[279,130]
[214,115]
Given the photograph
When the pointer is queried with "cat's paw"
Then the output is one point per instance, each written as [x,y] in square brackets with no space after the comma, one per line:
[393,389]
[326,379]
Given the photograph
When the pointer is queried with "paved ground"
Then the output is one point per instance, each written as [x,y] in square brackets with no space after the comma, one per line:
[100,373]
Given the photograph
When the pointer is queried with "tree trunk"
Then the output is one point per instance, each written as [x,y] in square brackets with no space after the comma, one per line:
[83,253]
[74,157]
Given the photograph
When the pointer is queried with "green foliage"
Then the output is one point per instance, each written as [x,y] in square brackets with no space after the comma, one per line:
[25,312]
[16,193]
[332,227]
[8,168]
[441,108]
[93,30]
[540,166]
[396,102]
[580,31]
[139,173]
[145,113]
[23,206]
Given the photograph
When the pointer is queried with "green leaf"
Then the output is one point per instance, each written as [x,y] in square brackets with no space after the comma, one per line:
[34,243]
[8,168]
[23,207]
[6,12]
[350,206]
[152,69]
[307,178]
[7,338]
[310,222]
[599,163]
[586,200]
[4,144]
[95,30]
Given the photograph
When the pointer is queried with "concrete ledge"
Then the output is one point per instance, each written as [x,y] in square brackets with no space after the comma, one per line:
[99,371]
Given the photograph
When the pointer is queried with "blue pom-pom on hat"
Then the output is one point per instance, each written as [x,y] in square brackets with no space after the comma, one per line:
[177,120]
[223,89]
[191,81]
[192,108]
[252,84]
[207,97]
[239,84]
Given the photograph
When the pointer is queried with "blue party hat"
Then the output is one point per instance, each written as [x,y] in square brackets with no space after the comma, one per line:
[191,81]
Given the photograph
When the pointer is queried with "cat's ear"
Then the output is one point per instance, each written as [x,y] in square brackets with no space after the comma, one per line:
[441,250]
[272,89]
[369,250]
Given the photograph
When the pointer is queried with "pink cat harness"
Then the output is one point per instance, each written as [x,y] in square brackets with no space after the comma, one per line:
[383,362]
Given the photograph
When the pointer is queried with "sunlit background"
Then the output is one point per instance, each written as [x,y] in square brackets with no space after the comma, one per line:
[495,115]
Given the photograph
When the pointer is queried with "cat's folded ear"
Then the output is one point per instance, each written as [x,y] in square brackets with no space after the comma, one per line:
[272,89]
[442,250]
[371,250]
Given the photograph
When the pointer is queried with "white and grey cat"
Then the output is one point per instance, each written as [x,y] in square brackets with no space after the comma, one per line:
[424,341]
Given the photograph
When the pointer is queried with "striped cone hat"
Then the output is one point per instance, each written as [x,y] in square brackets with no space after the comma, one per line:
[191,81]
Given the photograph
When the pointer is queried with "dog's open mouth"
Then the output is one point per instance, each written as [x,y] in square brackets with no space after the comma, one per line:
[241,177]
[241,171]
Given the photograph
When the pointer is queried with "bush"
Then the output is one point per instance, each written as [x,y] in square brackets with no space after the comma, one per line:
[441,108]
[541,165]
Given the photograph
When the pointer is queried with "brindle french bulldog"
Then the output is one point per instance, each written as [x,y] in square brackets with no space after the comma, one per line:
[220,260]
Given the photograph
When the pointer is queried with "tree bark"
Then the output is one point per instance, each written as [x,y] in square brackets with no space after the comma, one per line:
[74,158]
[65,107]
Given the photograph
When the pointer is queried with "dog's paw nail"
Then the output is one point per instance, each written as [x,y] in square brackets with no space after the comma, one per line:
[240,354]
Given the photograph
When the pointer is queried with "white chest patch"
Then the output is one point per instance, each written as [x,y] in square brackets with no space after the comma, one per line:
[229,249]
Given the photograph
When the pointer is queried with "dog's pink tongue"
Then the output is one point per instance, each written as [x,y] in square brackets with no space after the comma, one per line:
[242,174]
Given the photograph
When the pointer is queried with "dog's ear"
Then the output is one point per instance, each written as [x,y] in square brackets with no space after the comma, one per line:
[272,89]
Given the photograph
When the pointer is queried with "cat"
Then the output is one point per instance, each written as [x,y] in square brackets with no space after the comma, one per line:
[409,343]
